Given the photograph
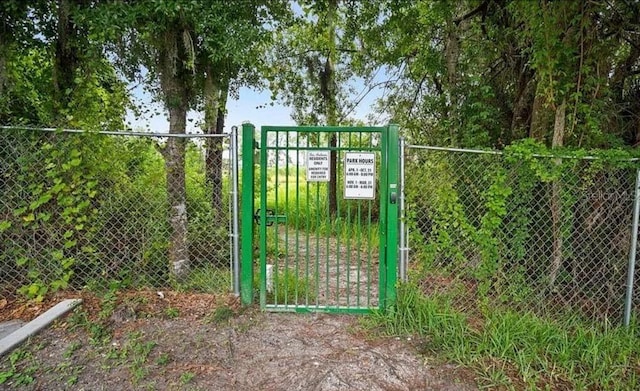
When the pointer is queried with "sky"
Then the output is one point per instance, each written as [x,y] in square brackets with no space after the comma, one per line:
[252,106]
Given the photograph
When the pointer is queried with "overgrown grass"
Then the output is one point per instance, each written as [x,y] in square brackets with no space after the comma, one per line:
[289,288]
[305,206]
[518,350]
[207,279]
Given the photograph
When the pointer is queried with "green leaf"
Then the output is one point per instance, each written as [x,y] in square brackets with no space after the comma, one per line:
[4,376]
[57,188]
[40,201]
[44,217]
[29,218]
[57,255]
[4,225]
[68,262]
[33,289]
[70,243]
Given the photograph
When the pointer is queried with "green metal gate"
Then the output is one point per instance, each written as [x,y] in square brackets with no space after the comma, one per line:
[315,253]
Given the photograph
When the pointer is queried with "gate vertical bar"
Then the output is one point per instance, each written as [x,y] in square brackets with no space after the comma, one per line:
[235,232]
[383,221]
[264,151]
[248,175]
[632,252]
[392,215]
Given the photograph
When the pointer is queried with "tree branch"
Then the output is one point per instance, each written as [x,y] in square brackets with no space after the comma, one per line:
[481,8]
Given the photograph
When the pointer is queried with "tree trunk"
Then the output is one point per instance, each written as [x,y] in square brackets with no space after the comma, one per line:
[215,102]
[329,92]
[176,192]
[451,57]
[521,114]
[66,59]
[540,117]
[3,65]
[175,78]
[556,197]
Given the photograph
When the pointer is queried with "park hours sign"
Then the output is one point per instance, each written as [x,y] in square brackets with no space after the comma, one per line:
[360,175]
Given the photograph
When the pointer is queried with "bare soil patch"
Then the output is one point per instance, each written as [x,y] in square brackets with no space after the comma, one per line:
[205,342]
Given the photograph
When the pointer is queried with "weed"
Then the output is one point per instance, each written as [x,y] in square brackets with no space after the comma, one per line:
[186,377]
[220,315]
[20,372]
[289,288]
[163,359]
[206,279]
[539,353]
[107,305]
[72,380]
[134,353]
[172,313]
[73,346]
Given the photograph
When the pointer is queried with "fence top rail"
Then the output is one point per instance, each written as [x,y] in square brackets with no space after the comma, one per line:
[333,129]
[490,152]
[119,132]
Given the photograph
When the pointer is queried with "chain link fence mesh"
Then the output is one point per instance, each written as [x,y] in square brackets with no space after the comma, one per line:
[93,210]
[538,234]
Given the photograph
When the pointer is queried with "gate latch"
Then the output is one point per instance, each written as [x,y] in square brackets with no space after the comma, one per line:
[271,217]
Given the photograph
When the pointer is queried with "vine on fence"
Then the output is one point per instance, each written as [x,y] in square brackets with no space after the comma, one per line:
[524,226]
[59,186]
[88,209]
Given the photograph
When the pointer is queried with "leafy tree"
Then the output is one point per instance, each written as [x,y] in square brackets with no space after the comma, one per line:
[194,52]
[311,67]
[489,72]
[230,56]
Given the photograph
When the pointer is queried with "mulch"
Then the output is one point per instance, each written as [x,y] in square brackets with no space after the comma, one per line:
[144,303]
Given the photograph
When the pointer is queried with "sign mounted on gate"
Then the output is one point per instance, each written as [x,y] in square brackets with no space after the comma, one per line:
[359,175]
[318,166]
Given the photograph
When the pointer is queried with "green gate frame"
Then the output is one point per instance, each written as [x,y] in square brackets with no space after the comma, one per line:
[388,223]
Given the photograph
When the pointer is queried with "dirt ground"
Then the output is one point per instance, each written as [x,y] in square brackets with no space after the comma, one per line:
[178,341]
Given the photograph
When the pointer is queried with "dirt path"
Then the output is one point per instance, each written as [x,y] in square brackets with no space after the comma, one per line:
[340,273]
[252,351]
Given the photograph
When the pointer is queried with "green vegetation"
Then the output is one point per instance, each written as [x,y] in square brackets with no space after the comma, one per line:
[134,353]
[221,315]
[101,222]
[516,232]
[517,350]
[19,377]
[186,377]
[306,208]
[525,230]
[289,288]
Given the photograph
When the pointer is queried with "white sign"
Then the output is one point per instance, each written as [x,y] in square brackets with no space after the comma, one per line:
[360,175]
[318,168]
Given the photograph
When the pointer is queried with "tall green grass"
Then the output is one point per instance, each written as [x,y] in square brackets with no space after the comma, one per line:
[305,206]
[518,350]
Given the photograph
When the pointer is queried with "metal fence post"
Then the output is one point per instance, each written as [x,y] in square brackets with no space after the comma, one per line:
[246,267]
[632,252]
[235,232]
[403,244]
[392,215]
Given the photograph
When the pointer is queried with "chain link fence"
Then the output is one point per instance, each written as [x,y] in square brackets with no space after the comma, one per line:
[544,234]
[84,209]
